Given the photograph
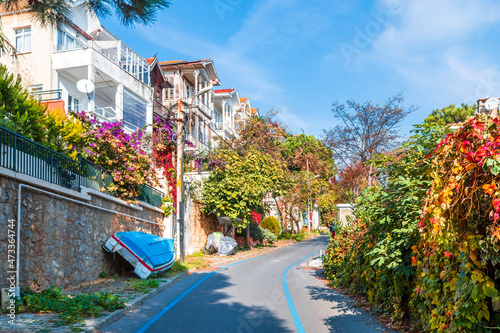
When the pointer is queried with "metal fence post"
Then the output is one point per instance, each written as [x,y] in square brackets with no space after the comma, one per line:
[15,154]
[51,167]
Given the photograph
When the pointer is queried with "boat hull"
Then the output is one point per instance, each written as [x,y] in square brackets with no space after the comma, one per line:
[147,253]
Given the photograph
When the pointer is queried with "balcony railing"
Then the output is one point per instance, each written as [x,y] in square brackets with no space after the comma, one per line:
[106,113]
[124,57]
[47,95]
[75,45]
[22,155]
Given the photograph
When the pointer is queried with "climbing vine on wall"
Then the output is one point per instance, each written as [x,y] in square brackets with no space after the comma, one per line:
[163,147]
[458,253]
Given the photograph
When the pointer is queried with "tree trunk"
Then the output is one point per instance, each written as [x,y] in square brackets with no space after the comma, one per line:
[370,170]
[248,236]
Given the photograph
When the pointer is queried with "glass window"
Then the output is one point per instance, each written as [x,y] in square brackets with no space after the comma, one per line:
[134,110]
[133,64]
[23,40]
[65,41]
[73,103]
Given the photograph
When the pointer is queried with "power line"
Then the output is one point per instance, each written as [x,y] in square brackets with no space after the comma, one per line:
[168,109]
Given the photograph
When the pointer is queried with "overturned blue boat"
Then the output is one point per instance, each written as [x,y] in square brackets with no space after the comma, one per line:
[147,253]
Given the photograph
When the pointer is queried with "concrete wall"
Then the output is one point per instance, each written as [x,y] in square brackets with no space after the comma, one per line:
[34,67]
[344,210]
[61,241]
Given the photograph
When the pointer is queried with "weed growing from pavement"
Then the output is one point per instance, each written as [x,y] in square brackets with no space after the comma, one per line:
[71,309]
[142,286]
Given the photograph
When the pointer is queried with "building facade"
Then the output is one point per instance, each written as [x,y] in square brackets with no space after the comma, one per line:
[80,66]
[188,78]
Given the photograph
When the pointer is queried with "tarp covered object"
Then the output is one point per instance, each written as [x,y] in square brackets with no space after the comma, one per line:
[216,242]
[227,246]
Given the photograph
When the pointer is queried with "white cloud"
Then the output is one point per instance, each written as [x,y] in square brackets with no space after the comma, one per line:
[435,49]
[251,59]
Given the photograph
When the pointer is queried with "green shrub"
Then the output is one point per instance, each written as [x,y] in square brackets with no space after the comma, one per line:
[271,223]
[259,234]
[285,235]
[142,286]
[71,309]
[22,113]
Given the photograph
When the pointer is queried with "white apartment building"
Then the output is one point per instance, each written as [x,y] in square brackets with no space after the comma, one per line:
[116,80]
[230,112]
[187,79]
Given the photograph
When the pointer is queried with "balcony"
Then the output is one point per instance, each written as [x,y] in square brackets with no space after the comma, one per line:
[112,58]
[74,45]
[197,104]
[106,114]
[47,95]
[125,57]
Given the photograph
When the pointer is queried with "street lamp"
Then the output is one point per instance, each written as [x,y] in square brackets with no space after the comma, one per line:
[181,141]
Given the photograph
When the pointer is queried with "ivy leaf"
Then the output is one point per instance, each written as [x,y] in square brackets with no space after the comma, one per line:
[490,292]
[496,304]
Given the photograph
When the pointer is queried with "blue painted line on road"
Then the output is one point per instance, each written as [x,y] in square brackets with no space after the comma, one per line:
[178,299]
[295,315]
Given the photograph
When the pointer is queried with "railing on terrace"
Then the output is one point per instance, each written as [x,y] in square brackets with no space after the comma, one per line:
[22,155]
[75,45]
[106,113]
[47,95]
[150,195]
[94,176]
[98,178]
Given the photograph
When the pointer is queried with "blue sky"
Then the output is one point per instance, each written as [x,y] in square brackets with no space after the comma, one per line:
[299,57]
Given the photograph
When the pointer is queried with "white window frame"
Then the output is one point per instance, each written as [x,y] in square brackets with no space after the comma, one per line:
[65,36]
[24,35]
[73,103]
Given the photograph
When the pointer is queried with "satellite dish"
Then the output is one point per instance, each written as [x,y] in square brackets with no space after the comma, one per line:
[85,86]
[491,103]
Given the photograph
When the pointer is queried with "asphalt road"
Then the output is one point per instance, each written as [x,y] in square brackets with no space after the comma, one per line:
[250,297]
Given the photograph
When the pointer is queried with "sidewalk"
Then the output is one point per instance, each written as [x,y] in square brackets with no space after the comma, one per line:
[51,323]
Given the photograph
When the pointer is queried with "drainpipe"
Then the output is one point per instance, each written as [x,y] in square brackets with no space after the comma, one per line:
[18,239]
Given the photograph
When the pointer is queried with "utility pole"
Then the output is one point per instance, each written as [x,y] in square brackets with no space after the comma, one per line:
[309,195]
[180,168]
[181,140]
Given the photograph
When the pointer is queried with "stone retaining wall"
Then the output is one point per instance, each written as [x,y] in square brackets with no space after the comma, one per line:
[202,225]
[61,241]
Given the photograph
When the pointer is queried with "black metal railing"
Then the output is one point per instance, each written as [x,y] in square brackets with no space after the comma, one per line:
[25,156]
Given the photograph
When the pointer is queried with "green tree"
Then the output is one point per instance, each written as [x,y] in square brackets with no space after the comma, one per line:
[238,188]
[450,115]
[303,151]
[263,134]
[374,255]
[22,113]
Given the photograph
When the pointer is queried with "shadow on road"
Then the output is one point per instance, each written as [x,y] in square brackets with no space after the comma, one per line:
[210,308]
[345,317]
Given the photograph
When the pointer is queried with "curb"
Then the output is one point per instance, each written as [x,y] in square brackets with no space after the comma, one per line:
[95,324]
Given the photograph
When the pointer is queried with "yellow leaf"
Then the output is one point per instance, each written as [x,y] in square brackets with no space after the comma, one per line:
[472,255]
